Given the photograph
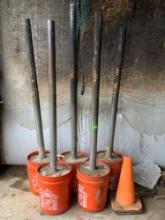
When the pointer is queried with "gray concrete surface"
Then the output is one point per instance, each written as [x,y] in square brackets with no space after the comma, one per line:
[17,203]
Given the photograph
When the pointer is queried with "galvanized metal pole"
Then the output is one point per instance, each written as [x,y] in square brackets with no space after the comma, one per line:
[35,92]
[73,80]
[95,88]
[116,89]
[52,93]
[78,30]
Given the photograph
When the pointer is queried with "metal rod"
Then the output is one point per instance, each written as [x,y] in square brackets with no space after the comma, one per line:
[116,90]
[35,92]
[73,80]
[78,29]
[95,88]
[52,93]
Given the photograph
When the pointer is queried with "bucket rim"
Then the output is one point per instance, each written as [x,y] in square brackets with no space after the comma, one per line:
[35,153]
[75,163]
[110,161]
[82,174]
[51,178]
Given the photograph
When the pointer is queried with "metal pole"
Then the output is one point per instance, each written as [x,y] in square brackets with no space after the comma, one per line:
[73,80]
[116,90]
[78,29]
[35,92]
[95,88]
[52,93]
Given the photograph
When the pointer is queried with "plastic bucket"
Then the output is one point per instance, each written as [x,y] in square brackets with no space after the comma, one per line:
[54,192]
[74,166]
[92,191]
[115,166]
[32,167]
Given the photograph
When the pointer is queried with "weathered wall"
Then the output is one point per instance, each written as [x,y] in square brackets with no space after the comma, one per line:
[141,114]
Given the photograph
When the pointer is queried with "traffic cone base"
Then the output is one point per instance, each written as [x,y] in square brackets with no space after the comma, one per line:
[125,201]
[135,208]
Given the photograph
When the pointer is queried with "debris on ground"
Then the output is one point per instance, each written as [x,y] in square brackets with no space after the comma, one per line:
[147,174]
[144,192]
[162,178]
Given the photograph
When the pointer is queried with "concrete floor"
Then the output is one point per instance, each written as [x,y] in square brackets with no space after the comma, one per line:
[17,203]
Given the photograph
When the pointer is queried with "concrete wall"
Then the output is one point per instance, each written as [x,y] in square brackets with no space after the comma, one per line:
[140,129]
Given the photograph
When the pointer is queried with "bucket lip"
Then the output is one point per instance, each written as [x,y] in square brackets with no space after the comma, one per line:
[75,163]
[53,177]
[35,153]
[110,161]
[94,177]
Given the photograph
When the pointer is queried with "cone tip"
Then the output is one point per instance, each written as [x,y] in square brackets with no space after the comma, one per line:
[127,158]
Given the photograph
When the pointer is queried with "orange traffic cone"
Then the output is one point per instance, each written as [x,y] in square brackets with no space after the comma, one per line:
[126,201]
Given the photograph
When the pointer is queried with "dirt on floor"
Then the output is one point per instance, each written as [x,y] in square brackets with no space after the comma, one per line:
[17,203]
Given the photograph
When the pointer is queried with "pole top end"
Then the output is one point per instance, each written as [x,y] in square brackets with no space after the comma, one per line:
[27,21]
[50,21]
[72,5]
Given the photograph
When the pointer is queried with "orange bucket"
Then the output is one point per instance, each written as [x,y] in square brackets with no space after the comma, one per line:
[54,192]
[74,166]
[92,190]
[115,166]
[32,167]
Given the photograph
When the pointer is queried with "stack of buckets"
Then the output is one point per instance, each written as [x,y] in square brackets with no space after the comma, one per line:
[55,192]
